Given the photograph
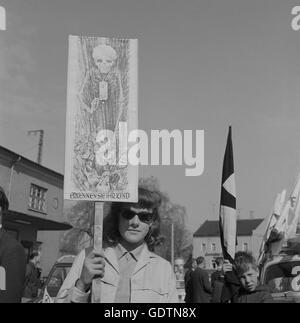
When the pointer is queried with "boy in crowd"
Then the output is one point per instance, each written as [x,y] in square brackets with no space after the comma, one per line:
[242,283]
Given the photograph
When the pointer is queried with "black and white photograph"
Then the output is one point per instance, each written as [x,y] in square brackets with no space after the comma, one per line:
[149,154]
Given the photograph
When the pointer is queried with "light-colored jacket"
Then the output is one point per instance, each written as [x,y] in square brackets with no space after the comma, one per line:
[152,281]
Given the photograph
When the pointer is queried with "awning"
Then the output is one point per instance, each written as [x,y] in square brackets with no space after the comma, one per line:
[36,222]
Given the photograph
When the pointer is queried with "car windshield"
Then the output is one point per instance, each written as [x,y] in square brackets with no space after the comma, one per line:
[283,277]
[57,278]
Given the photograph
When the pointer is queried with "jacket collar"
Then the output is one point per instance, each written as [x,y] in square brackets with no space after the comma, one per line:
[144,258]
[121,251]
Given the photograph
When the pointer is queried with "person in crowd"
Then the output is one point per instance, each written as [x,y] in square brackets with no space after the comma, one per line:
[241,282]
[200,281]
[217,280]
[129,270]
[12,260]
[188,282]
[32,282]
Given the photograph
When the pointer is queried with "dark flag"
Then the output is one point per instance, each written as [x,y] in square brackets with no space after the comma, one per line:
[227,216]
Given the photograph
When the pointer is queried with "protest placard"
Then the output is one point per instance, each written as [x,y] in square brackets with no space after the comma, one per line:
[101,110]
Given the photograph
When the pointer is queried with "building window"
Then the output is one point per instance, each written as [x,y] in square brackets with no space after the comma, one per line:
[213,247]
[37,198]
[203,247]
[245,247]
[213,264]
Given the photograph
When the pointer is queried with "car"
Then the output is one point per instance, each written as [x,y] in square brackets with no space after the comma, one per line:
[281,273]
[55,279]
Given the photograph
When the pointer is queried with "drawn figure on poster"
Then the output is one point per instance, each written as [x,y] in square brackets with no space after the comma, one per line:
[103,106]
[101,92]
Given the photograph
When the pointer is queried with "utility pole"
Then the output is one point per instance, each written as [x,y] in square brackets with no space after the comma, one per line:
[41,141]
[172,244]
[13,163]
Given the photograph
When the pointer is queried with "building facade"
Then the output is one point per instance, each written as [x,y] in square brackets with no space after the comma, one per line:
[206,240]
[35,215]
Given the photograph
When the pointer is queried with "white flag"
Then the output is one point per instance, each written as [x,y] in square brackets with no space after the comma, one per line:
[287,223]
[272,220]
[294,215]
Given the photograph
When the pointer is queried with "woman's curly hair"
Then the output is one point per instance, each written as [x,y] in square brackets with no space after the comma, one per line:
[148,200]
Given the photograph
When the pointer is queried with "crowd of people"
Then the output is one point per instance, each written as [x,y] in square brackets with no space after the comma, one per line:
[236,282]
[127,268]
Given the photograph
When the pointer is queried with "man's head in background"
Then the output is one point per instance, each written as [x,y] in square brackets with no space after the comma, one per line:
[200,262]
[35,258]
[219,263]
[4,204]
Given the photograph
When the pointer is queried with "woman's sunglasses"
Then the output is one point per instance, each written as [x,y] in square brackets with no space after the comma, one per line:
[143,216]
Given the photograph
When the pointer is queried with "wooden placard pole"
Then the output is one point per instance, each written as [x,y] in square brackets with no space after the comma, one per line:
[98,233]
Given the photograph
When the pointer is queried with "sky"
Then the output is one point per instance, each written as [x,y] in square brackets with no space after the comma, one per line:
[202,65]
